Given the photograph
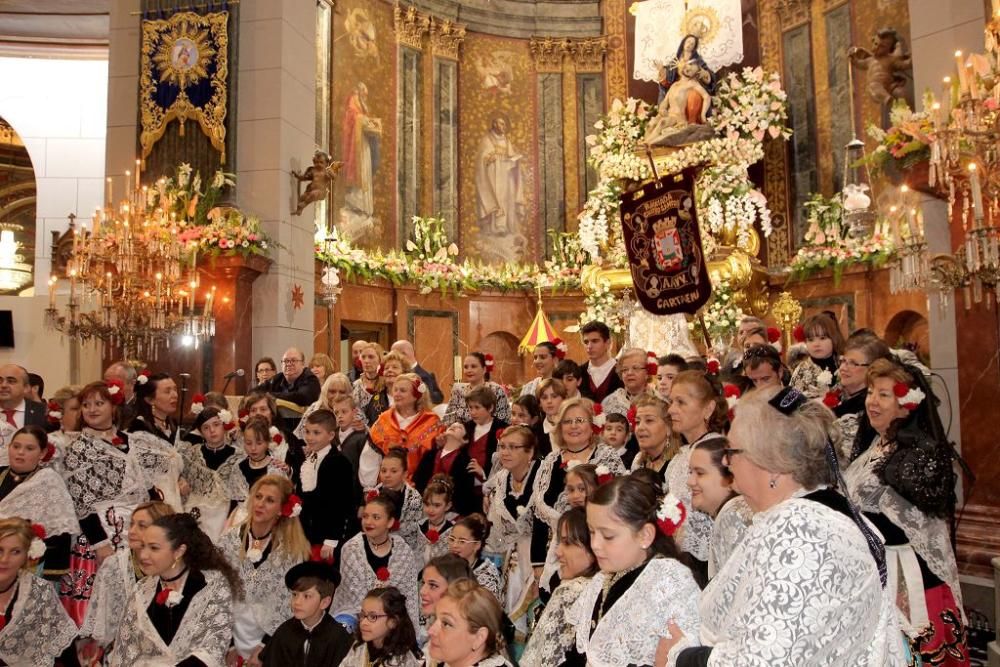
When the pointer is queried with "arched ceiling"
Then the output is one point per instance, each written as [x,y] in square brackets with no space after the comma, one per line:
[520,18]
[37,24]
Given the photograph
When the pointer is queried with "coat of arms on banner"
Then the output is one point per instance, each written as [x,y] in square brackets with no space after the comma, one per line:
[660,226]
[184,70]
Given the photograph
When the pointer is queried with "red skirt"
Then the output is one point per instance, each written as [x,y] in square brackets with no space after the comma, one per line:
[77,584]
[946,642]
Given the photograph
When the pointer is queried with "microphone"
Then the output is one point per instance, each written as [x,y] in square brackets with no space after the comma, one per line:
[238,373]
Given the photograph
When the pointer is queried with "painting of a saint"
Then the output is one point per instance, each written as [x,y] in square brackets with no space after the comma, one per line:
[361,136]
[184,55]
[500,197]
[361,33]
[496,72]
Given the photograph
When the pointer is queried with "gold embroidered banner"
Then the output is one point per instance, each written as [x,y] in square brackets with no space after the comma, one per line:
[184,70]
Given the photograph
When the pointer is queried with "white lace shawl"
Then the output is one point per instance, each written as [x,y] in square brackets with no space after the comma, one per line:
[425,551]
[800,589]
[357,577]
[204,632]
[602,455]
[43,499]
[458,409]
[265,597]
[358,657]
[410,515]
[507,530]
[728,531]
[39,628]
[488,576]
[631,629]
[162,464]
[929,536]
[491,661]
[60,440]
[213,487]
[617,402]
[300,428]
[849,425]
[555,633]
[109,598]
[696,533]
[105,481]
[805,378]
[241,489]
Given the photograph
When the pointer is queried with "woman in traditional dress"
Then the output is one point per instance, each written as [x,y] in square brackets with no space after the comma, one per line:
[434,529]
[635,367]
[697,412]
[439,573]
[108,472]
[467,630]
[282,447]
[371,390]
[618,616]
[847,399]
[64,421]
[35,630]
[711,484]
[467,539]
[410,423]
[385,636]
[180,613]
[476,369]
[512,539]
[805,585]
[211,470]
[263,549]
[817,374]
[117,577]
[335,386]
[654,435]
[376,557]
[544,359]
[554,635]
[38,494]
[904,482]
[156,405]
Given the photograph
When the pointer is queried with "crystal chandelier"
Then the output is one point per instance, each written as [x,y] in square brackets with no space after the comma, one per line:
[132,284]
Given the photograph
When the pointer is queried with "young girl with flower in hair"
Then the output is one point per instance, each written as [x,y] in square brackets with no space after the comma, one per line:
[817,375]
[385,637]
[392,477]
[467,540]
[376,556]
[476,369]
[434,529]
[262,550]
[211,469]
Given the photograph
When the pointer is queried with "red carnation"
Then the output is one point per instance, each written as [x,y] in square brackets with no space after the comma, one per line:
[292,506]
[651,363]
[832,399]
[731,391]
[371,495]
[900,389]
[799,333]
[161,597]
[54,412]
[433,536]
[198,398]
[911,406]
[116,390]
[39,530]
[564,465]
[631,416]
[117,441]
[382,574]
[229,426]
[712,366]
[489,362]
[773,334]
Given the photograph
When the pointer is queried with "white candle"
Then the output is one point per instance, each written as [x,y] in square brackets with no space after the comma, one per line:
[963,84]
[977,192]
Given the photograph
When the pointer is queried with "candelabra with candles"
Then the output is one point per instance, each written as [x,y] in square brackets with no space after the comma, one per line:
[132,283]
[911,268]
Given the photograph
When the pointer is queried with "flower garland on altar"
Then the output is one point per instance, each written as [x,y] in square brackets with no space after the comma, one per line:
[721,316]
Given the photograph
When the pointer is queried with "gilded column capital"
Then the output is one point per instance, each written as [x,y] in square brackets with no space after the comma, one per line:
[548,53]
[792,12]
[410,26]
[588,53]
[446,38]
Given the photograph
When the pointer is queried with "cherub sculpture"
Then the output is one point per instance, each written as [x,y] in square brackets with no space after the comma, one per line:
[887,64]
[320,176]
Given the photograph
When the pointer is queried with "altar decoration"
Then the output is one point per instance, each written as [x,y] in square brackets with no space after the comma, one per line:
[183,75]
[720,318]
[907,141]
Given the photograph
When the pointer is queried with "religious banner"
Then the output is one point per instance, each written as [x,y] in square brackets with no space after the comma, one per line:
[663,241]
[183,74]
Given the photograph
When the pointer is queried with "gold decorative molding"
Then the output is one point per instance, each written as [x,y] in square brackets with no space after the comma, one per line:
[446,38]
[775,158]
[588,53]
[548,53]
[617,61]
[792,13]
[410,26]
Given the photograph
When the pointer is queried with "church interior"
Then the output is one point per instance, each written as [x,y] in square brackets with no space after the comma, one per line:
[472,175]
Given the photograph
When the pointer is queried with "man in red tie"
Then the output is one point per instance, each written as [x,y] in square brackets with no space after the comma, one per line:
[16,411]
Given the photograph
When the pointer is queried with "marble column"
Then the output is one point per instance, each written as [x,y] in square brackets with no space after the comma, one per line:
[276,134]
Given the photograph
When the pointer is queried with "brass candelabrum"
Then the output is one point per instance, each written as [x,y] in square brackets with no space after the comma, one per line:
[132,278]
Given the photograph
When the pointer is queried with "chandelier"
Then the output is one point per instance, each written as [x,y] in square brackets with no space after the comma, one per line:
[132,283]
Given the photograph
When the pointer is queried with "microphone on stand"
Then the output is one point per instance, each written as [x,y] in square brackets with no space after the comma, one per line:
[180,405]
[238,373]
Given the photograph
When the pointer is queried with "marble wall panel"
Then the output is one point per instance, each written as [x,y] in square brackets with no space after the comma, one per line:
[798,79]
[590,107]
[838,42]
[408,124]
[551,200]
[446,142]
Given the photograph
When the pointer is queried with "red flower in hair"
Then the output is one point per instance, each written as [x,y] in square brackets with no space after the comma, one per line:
[161,597]
[731,391]
[603,475]
[712,366]
[39,530]
[561,348]
[799,333]
[292,506]
[54,412]
[900,389]
[671,514]
[382,574]
[50,451]
[244,416]
[773,334]
[198,398]
[631,416]
[832,399]
[651,363]
[599,419]
[395,525]
[116,390]
[490,363]
[433,536]
[371,495]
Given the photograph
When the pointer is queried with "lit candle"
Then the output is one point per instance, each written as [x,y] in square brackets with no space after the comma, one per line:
[972,81]
[110,289]
[109,200]
[138,167]
[963,84]
[72,287]
[946,92]
[128,183]
[894,224]
[977,193]
[52,291]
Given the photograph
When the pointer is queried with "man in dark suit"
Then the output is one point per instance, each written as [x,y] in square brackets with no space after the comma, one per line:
[600,378]
[15,410]
[405,349]
[295,383]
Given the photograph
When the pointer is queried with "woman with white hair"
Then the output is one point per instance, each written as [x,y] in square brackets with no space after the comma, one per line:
[635,366]
[807,585]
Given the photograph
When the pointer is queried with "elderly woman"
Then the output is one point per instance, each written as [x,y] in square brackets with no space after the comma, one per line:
[410,423]
[635,367]
[806,584]
[372,390]
[467,628]
[847,399]
[334,386]
[904,482]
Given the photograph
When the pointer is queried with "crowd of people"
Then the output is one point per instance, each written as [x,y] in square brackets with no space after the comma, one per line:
[765,508]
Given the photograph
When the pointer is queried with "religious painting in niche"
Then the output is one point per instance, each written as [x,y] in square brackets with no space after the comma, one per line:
[363,136]
[18,195]
[498,151]
[798,80]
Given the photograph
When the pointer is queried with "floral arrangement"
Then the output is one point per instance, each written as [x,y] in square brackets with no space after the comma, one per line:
[720,316]
[604,306]
[751,104]
[730,205]
[906,142]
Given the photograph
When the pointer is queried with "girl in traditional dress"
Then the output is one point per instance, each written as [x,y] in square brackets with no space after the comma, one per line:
[904,482]
[833,607]
[544,359]
[432,536]
[526,411]
[256,446]
[38,494]
[376,557]
[467,540]
[156,405]
[512,539]
[618,614]
[438,574]
[116,578]
[697,412]
[263,549]
[467,630]
[654,435]
[554,636]
[476,369]
[180,613]
[581,482]
[635,367]
[817,374]
[410,424]
[392,477]
[551,394]
[385,635]
[211,470]
[35,630]
[282,448]
[711,485]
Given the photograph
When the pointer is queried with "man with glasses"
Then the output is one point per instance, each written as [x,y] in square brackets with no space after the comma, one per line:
[295,383]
